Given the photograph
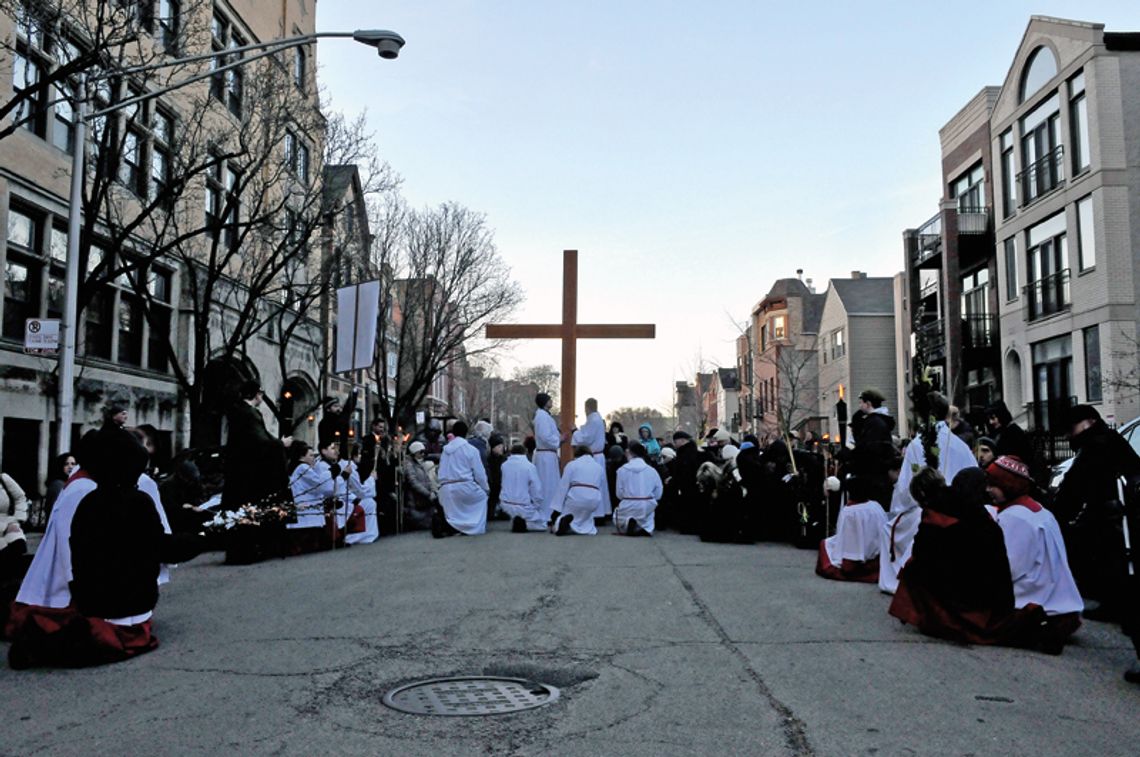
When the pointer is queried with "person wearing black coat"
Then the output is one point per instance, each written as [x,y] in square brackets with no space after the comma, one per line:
[1093,517]
[255,459]
[1011,438]
[684,497]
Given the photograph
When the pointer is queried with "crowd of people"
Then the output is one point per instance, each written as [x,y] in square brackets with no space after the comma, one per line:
[952,523]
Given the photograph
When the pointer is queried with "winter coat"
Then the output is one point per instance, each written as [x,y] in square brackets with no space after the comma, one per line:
[12,499]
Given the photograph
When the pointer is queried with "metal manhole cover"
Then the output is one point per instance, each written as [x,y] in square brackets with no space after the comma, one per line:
[470,695]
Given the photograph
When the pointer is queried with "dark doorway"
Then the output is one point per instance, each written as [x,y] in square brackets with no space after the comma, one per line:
[21,452]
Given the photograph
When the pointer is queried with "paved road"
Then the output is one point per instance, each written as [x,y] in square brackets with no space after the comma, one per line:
[661,646]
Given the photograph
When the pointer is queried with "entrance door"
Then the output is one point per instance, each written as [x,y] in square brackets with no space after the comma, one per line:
[21,453]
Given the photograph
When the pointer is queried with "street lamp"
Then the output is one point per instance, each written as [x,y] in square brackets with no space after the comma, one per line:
[387,44]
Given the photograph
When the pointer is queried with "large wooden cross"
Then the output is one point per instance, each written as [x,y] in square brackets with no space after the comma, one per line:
[570,331]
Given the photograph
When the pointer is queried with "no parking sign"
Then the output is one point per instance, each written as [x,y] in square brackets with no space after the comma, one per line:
[41,336]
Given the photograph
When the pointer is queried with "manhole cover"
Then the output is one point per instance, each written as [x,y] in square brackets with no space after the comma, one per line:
[470,695]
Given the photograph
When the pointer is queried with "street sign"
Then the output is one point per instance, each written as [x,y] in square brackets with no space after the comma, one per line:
[357,309]
[420,417]
[41,336]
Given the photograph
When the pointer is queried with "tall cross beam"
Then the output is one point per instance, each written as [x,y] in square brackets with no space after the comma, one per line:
[570,331]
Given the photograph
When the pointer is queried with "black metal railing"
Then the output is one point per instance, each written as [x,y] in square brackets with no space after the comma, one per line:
[1042,176]
[979,331]
[973,221]
[1048,295]
[930,340]
[929,239]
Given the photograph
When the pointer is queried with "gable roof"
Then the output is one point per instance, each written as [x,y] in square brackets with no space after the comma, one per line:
[813,312]
[728,378]
[866,296]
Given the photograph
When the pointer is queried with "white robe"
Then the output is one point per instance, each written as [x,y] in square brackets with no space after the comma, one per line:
[521,492]
[1038,563]
[897,535]
[857,533]
[639,490]
[547,442]
[463,487]
[578,493]
[312,485]
[593,433]
[48,580]
[364,494]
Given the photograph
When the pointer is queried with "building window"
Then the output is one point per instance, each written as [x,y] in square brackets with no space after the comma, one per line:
[1040,67]
[300,67]
[1047,269]
[393,363]
[297,157]
[1041,151]
[63,120]
[1008,175]
[131,172]
[167,24]
[161,154]
[26,72]
[1093,391]
[1011,288]
[838,344]
[1079,123]
[226,86]
[779,327]
[1086,234]
[1052,382]
[969,190]
[223,204]
[22,271]
[160,318]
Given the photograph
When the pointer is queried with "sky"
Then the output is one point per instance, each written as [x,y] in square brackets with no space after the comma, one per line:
[692,153]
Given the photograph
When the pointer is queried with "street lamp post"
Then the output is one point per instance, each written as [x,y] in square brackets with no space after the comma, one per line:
[387,44]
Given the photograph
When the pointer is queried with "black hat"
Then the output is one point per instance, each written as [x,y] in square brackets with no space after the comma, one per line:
[682,435]
[1078,413]
[872,395]
[249,389]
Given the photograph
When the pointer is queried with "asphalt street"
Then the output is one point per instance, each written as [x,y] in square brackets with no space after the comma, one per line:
[662,646]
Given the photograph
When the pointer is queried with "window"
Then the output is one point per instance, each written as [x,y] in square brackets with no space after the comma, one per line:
[1041,151]
[26,72]
[393,363]
[779,330]
[161,153]
[131,171]
[1079,123]
[1052,382]
[1092,364]
[223,204]
[1011,289]
[159,319]
[167,23]
[1086,234]
[969,190]
[1047,269]
[838,345]
[1008,175]
[226,86]
[297,156]
[1040,67]
[300,67]
[63,123]
[21,273]
[130,329]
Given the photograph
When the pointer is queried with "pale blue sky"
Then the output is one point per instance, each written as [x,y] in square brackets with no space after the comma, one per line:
[693,153]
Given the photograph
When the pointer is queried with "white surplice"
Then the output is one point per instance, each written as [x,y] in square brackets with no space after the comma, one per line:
[578,492]
[1038,563]
[593,434]
[897,535]
[521,492]
[639,490]
[311,486]
[364,494]
[463,487]
[857,533]
[547,441]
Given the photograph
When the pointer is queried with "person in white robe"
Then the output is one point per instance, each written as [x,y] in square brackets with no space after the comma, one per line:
[547,441]
[592,433]
[521,494]
[1038,562]
[639,489]
[897,535]
[363,493]
[312,482]
[852,554]
[463,485]
[576,499]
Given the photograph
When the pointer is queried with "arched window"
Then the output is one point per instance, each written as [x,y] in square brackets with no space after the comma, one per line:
[1039,69]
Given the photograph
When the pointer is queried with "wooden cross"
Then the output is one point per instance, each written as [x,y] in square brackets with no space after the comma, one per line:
[570,331]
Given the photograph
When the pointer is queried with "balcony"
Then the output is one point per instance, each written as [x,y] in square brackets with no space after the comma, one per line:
[1048,295]
[1042,177]
[973,221]
[979,332]
[930,340]
[929,238]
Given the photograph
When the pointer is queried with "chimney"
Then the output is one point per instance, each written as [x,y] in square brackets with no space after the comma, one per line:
[800,274]
[858,275]
[809,286]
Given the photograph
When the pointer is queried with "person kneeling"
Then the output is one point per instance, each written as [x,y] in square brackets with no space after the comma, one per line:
[463,488]
[116,547]
[520,495]
[853,553]
[578,495]
[957,584]
[638,489]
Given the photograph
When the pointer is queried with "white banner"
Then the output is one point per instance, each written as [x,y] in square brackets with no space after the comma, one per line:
[357,308]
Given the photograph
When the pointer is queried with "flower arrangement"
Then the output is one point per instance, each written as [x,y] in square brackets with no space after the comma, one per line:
[266,512]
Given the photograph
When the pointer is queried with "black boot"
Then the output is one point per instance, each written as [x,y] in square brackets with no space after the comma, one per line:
[518,525]
[564,525]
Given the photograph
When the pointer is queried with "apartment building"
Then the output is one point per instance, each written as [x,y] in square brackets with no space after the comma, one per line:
[1066,129]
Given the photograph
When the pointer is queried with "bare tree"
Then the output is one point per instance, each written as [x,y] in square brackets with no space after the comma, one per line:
[544,376]
[449,281]
[1124,381]
[792,404]
[631,418]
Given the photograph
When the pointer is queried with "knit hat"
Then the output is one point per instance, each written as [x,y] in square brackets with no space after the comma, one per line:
[483,429]
[729,452]
[682,435]
[415,447]
[746,445]
[667,454]
[1010,475]
[722,435]
[987,442]
[872,395]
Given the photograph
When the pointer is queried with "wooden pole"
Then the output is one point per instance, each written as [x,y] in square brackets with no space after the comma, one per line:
[569,345]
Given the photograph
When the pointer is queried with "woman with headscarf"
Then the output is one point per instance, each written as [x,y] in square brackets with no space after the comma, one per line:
[115,550]
[957,583]
[652,446]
